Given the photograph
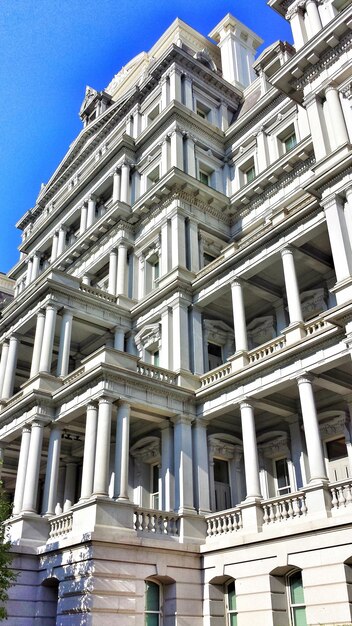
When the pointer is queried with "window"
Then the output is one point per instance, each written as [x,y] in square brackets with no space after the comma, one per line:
[155,358]
[153,177]
[222,485]
[231,604]
[152,604]
[296,600]
[214,355]
[154,495]
[202,110]
[290,142]
[338,461]
[249,175]
[153,114]
[204,178]
[282,477]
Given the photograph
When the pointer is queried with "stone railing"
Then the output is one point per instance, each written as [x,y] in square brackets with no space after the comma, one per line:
[216,375]
[341,494]
[315,326]
[94,291]
[152,371]
[267,349]
[60,525]
[284,508]
[156,522]
[224,522]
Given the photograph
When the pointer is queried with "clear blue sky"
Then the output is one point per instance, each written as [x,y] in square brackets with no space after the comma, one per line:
[51,49]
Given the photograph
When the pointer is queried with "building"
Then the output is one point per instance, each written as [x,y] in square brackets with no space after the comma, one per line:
[175,375]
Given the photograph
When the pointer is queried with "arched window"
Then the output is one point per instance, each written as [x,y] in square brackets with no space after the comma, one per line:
[296,600]
[231,604]
[152,604]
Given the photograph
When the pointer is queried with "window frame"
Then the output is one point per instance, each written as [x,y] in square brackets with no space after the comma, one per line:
[149,612]
[231,612]
[295,605]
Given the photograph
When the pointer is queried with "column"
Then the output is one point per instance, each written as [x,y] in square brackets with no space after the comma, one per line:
[116,185]
[61,243]
[223,116]
[35,266]
[48,339]
[317,125]
[89,451]
[262,148]
[121,270]
[188,92]
[3,364]
[190,157]
[54,247]
[176,149]
[340,134]
[313,17]
[22,470]
[201,469]
[291,286]
[119,339]
[29,271]
[299,32]
[338,236]
[193,246]
[167,477]
[180,343]
[197,341]
[239,317]
[38,341]
[92,202]
[175,84]
[65,344]
[125,182]
[164,166]
[9,377]
[165,96]
[311,429]
[33,466]
[122,451]
[52,471]
[183,463]
[70,484]
[166,342]
[165,248]
[84,216]
[250,451]
[102,453]
[178,241]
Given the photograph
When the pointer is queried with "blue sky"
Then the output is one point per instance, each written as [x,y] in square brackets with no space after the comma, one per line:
[50,50]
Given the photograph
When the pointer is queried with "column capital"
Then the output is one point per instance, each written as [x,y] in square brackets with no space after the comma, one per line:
[26,428]
[182,419]
[287,249]
[237,282]
[304,377]
[92,405]
[246,403]
[123,403]
[332,201]
[105,400]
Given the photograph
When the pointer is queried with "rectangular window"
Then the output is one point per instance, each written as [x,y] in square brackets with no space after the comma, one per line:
[204,178]
[155,487]
[249,174]
[296,596]
[282,477]
[152,604]
[290,142]
[231,604]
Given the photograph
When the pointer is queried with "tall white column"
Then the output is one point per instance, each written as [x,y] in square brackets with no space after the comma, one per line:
[166,342]
[121,270]
[33,466]
[176,149]
[239,316]
[116,185]
[54,247]
[48,339]
[338,235]
[102,452]
[122,451]
[188,92]
[311,428]
[92,202]
[65,344]
[201,469]
[167,477]
[175,84]
[22,470]
[297,24]
[89,451]
[61,243]
[119,338]
[165,246]
[183,463]
[125,182]
[197,341]
[190,156]
[3,364]
[70,484]
[313,17]
[29,271]
[291,286]
[52,471]
[262,150]
[250,451]
[178,241]
[9,377]
[180,342]
[83,221]
[193,246]
[317,125]
[38,341]
[340,134]
[112,272]
[35,266]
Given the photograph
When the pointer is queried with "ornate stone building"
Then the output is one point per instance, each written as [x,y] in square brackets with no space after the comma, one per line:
[175,375]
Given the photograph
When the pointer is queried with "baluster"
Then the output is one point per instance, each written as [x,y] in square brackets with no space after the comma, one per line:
[341,496]
[303,505]
[295,507]
[289,509]
[218,526]
[271,513]
[284,508]
[334,500]
[265,516]
[348,494]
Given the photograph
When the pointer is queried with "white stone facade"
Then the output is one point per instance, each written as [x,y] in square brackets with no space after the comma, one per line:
[175,373]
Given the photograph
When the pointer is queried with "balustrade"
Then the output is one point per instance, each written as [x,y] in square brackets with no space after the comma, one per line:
[156,522]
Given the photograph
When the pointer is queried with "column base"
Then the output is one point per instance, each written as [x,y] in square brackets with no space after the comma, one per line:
[101,513]
[193,527]
[28,529]
[318,499]
[239,360]
[42,381]
[188,380]
[252,515]
[294,332]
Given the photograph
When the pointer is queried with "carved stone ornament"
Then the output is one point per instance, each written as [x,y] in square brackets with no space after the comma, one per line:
[88,98]
[147,450]
[148,337]
[276,447]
